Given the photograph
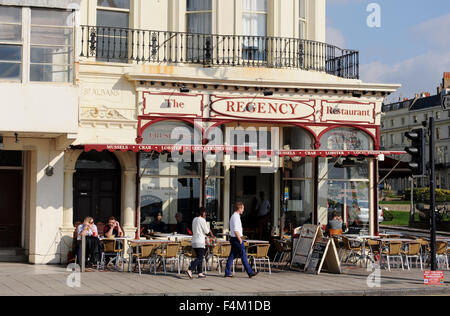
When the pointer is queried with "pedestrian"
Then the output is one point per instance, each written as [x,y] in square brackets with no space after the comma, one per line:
[263,209]
[200,230]
[237,243]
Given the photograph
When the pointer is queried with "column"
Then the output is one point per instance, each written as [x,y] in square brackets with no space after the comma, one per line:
[129,203]
[67,229]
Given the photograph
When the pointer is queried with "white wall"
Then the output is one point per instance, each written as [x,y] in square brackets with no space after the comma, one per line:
[45,108]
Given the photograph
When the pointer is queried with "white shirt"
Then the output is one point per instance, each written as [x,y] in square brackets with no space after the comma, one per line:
[235,225]
[199,231]
[264,208]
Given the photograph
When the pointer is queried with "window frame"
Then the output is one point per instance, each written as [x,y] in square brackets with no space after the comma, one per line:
[20,43]
[26,45]
[302,20]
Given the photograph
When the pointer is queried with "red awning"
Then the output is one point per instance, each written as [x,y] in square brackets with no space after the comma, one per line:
[239,149]
[169,148]
[329,153]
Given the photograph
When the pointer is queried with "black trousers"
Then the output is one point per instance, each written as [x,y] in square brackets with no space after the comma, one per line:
[198,263]
[93,250]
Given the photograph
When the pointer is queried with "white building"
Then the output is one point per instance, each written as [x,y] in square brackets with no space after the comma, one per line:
[404,116]
[134,70]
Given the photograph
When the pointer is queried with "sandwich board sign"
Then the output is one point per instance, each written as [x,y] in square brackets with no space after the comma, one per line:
[302,247]
[324,256]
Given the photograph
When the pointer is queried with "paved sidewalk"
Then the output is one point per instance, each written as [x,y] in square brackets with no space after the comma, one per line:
[22,279]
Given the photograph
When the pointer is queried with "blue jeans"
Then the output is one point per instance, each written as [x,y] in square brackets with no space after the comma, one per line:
[237,251]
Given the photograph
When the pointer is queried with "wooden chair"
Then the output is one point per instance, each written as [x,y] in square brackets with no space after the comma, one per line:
[187,252]
[392,250]
[260,255]
[414,250]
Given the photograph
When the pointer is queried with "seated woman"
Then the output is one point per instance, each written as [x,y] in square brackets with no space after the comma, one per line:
[88,229]
[336,224]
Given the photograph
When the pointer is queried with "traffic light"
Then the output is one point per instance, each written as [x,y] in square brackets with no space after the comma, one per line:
[417,151]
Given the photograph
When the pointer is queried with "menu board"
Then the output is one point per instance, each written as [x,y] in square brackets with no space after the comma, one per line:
[317,256]
[302,247]
[324,257]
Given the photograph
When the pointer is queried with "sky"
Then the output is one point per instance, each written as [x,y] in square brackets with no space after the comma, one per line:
[411,47]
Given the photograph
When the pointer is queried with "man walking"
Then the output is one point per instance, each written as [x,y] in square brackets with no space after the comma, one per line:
[237,244]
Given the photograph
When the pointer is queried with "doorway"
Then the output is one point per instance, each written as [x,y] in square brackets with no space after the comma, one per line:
[10,208]
[96,187]
[246,186]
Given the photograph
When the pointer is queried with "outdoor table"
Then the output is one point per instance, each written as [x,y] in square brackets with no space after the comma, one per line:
[363,240]
[141,242]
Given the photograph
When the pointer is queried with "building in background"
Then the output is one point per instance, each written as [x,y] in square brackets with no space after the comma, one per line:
[38,121]
[406,115]
[249,81]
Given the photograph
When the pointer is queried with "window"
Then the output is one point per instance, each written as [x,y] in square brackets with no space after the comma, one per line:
[113,22]
[426,117]
[392,123]
[199,16]
[11,43]
[438,115]
[346,139]
[302,19]
[199,27]
[403,121]
[36,44]
[344,189]
[415,119]
[51,40]
[392,140]
[254,29]
[438,133]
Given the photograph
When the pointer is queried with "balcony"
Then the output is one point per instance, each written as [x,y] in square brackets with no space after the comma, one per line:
[121,45]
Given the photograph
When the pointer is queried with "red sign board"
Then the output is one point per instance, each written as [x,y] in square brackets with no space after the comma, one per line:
[434,278]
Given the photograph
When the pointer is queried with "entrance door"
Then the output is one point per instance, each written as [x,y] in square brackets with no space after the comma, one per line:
[96,186]
[10,208]
[246,185]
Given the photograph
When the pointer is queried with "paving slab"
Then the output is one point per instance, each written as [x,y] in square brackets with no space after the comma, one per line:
[24,279]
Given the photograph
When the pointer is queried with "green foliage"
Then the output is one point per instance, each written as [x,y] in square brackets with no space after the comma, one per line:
[422,195]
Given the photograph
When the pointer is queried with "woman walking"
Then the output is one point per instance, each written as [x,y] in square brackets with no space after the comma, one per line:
[199,230]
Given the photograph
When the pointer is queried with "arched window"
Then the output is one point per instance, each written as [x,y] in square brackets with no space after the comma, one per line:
[346,139]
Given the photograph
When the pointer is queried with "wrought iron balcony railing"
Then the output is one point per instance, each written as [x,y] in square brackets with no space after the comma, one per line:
[142,46]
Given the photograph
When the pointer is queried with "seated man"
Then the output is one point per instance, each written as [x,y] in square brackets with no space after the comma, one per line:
[158,225]
[182,227]
[113,229]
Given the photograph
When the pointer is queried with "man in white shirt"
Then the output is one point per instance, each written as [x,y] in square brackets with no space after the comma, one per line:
[237,244]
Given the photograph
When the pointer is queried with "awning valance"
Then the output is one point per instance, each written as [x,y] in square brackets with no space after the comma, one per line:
[169,148]
[239,149]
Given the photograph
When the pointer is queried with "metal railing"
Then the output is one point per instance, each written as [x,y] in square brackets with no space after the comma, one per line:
[112,44]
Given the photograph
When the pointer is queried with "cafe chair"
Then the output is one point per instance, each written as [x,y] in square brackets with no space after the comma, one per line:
[441,254]
[110,249]
[147,255]
[170,253]
[188,253]
[335,232]
[413,250]
[221,252]
[259,253]
[353,251]
[392,249]
[283,252]
[374,249]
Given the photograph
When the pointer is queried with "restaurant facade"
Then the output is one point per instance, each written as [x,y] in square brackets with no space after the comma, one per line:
[175,114]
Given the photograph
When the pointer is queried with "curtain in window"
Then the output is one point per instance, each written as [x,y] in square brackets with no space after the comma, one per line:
[254,29]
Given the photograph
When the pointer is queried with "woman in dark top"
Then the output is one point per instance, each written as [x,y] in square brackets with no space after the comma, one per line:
[158,225]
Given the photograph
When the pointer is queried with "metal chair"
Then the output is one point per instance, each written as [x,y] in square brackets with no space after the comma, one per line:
[110,249]
[441,253]
[354,251]
[413,250]
[170,253]
[147,255]
[392,250]
[261,255]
